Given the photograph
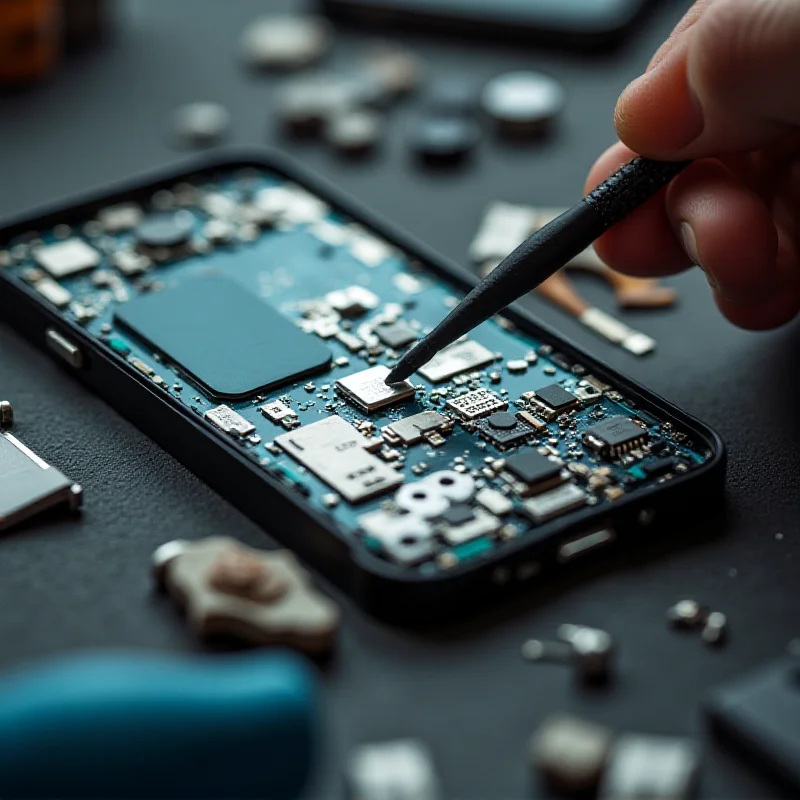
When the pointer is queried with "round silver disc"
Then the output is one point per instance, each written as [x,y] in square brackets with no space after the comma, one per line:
[523,102]
[285,42]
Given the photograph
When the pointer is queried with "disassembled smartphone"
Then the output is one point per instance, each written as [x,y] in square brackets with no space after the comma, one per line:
[244,315]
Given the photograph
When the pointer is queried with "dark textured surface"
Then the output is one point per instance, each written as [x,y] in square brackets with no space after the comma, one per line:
[68,584]
[630,186]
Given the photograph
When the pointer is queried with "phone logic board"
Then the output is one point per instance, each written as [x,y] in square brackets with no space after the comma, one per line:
[274,318]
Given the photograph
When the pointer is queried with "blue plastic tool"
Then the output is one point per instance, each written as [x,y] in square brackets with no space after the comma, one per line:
[127,725]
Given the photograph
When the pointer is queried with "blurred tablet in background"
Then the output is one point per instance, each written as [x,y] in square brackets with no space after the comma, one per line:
[570,23]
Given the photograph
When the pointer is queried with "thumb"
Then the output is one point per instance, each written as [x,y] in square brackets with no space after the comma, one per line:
[727,82]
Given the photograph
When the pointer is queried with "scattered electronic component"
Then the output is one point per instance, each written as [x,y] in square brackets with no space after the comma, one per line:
[29,485]
[404,538]
[687,614]
[659,467]
[230,342]
[331,450]
[522,103]
[715,629]
[587,394]
[455,359]
[6,414]
[535,472]
[53,292]
[277,411]
[69,257]
[609,327]
[120,217]
[650,766]
[558,398]
[352,301]
[494,501]
[285,42]
[164,230]
[355,132]
[444,138]
[200,124]
[131,263]
[255,596]
[368,389]
[396,334]
[517,366]
[398,69]
[503,229]
[457,529]
[534,422]
[571,753]
[476,404]
[554,503]
[504,430]
[590,651]
[227,420]
[615,436]
[414,429]
[401,770]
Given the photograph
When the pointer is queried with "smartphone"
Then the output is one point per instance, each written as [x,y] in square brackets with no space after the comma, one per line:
[243,314]
[580,23]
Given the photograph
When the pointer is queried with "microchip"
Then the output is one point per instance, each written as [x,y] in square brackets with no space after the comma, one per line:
[459,357]
[227,420]
[615,436]
[504,429]
[477,404]
[658,467]
[482,523]
[29,485]
[556,397]
[396,334]
[530,467]
[276,411]
[458,514]
[229,342]
[352,301]
[368,389]
[332,450]
[66,258]
[412,430]
[555,503]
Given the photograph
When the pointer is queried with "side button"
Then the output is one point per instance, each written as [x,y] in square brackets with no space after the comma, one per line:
[64,348]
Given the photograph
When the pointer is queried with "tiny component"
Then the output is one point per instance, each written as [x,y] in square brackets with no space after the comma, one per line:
[495,502]
[330,500]
[290,204]
[421,499]
[164,229]
[556,397]
[408,284]
[523,103]
[276,411]
[227,420]
[476,404]
[650,766]
[368,389]
[615,436]
[66,258]
[398,69]
[369,250]
[350,341]
[588,394]
[518,365]
[396,334]
[54,292]
[28,484]
[406,538]
[458,514]
[199,124]
[482,523]
[503,429]
[617,332]
[255,596]
[331,449]
[145,369]
[373,444]
[536,424]
[131,263]
[352,301]
[354,132]
[613,493]
[444,138]
[554,503]
[401,770]
[534,470]
[590,651]
[219,231]
[571,753]
[120,217]
[6,414]
[503,228]
[285,42]
[455,359]
[659,467]
[413,429]
[716,628]
[455,486]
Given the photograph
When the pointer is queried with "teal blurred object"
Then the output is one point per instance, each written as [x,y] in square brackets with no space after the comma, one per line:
[128,725]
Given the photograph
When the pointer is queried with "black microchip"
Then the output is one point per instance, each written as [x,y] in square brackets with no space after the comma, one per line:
[531,466]
[504,429]
[396,334]
[615,434]
[458,514]
[659,467]
[228,341]
[556,397]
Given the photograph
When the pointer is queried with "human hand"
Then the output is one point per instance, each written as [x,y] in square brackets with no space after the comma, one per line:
[724,89]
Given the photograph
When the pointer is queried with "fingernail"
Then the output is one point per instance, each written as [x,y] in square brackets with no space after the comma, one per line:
[690,247]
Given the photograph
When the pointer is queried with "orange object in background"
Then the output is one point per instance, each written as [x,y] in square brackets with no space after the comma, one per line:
[30,39]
